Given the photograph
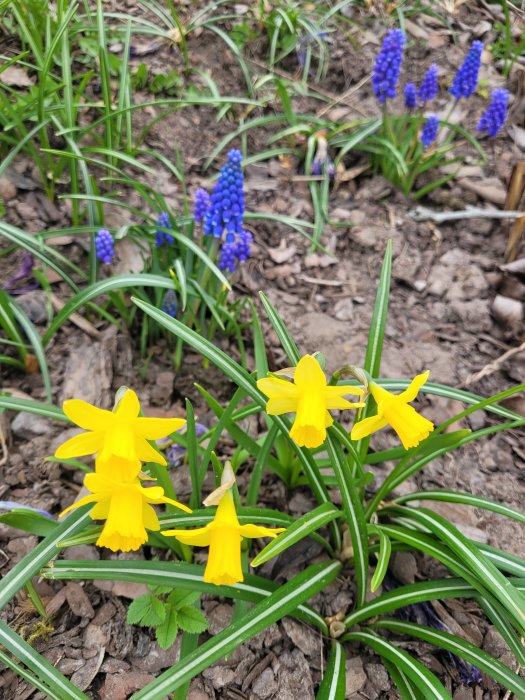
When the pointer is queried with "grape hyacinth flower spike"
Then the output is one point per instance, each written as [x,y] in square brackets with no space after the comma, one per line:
[388,65]
[430,130]
[226,211]
[410,96]
[169,303]
[161,237]
[494,116]
[104,246]
[201,205]
[466,79]
[429,85]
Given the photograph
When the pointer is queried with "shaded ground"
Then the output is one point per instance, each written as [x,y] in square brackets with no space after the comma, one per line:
[445,281]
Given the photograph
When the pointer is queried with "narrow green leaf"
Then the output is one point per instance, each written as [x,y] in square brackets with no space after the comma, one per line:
[383,558]
[42,554]
[423,679]
[464,498]
[333,685]
[29,521]
[406,689]
[471,555]
[58,684]
[177,574]
[462,648]
[262,615]
[286,340]
[300,529]
[34,339]
[10,403]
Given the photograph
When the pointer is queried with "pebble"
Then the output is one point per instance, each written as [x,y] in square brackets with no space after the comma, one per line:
[28,425]
[355,675]
[507,311]
[378,676]
[7,189]
[118,686]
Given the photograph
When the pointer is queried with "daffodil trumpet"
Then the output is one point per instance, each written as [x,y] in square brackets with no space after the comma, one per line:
[126,506]
[310,398]
[393,410]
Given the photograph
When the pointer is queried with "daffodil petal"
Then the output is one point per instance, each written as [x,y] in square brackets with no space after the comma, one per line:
[413,388]
[254,531]
[308,435]
[279,405]
[80,445]
[367,426]
[87,416]
[277,388]
[78,504]
[340,403]
[308,373]
[128,407]
[157,428]
[147,453]
[149,518]
[224,557]
[343,390]
[197,538]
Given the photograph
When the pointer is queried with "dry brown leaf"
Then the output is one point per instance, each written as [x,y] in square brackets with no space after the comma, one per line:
[14,76]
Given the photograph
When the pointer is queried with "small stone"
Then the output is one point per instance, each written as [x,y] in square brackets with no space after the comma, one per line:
[7,189]
[28,425]
[197,691]
[119,686]
[265,685]
[302,636]
[78,601]
[355,676]
[378,676]
[81,551]
[35,306]
[344,310]
[404,567]
[94,637]
[507,311]
[219,676]
[420,285]
[219,618]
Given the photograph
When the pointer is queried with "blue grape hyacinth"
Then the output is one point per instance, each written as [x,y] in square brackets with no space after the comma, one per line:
[388,65]
[226,211]
[410,96]
[429,85]
[201,205]
[161,237]
[494,116]
[430,130]
[104,246]
[169,303]
[466,79]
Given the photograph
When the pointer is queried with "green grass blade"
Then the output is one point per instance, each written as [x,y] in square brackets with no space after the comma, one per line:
[282,602]
[383,559]
[379,316]
[462,648]
[34,339]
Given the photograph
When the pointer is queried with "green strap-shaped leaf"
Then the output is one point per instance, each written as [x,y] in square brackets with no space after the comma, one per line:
[464,498]
[286,340]
[333,685]
[281,602]
[420,592]
[31,564]
[465,650]
[98,289]
[59,687]
[177,574]
[300,529]
[354,515]
[376,334]
[424,680]
[383,558]
[472,556]
[407,690]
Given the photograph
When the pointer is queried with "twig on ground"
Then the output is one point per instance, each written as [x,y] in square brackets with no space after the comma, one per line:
[424,214]
[493,366]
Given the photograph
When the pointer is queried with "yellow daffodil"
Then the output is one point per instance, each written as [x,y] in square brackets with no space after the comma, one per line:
[394,410]
[310,398]
[125,505]
[118,433]
[223,536]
